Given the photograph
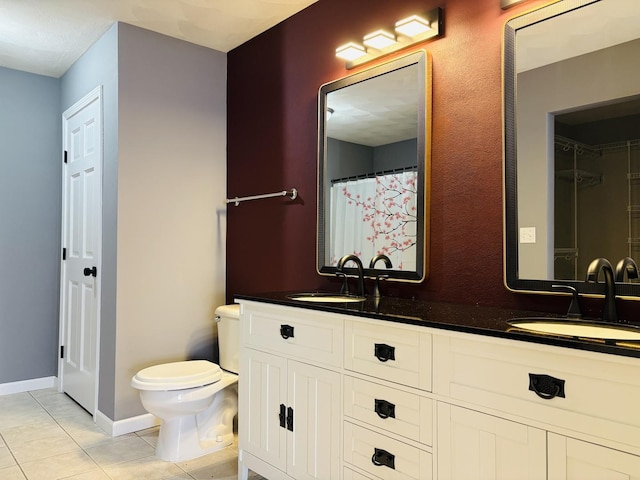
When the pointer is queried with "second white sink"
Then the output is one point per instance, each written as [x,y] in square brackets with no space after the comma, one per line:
[326,298]
[577,328]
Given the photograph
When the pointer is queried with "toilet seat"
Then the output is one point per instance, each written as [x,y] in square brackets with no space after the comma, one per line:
[177,375]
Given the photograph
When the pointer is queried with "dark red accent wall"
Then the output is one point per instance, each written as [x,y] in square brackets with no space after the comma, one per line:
[273,82]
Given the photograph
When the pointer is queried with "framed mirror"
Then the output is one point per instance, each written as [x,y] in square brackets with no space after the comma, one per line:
[572,143]
[373,168]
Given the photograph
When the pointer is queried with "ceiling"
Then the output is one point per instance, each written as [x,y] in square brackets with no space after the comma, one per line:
[378,111]
[47,36]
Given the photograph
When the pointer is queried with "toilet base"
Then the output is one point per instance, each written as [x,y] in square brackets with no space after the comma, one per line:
[185,437]
[179,441]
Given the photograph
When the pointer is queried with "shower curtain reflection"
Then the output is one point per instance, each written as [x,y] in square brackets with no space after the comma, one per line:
[375,215]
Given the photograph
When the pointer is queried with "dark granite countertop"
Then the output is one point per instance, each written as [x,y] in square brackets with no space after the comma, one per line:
[480,320]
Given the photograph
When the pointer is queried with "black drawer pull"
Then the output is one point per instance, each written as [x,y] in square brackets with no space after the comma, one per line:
[290,419]
[385,409]
[283,415]
[545,386]
[382,458]
[286,331]
[384,352]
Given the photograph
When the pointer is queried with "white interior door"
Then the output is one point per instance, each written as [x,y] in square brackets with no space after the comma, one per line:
[81,242]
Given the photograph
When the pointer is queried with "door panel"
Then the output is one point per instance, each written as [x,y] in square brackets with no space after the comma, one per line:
[81,237]
[314,395]
[476,446]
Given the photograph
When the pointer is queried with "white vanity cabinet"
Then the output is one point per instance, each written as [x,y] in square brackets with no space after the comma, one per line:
[388,421]
[548,412]
[473,445]
[289,394]
[375,399]
[571,459]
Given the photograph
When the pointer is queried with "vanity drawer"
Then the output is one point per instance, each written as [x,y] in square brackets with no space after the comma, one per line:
[349,474]
[309,335]
[393,352]
[403,413]
[385,457]
[593,393]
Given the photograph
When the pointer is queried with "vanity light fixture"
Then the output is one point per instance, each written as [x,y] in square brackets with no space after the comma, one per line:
[412,26]
[379,39]
[410,30]
[350,51]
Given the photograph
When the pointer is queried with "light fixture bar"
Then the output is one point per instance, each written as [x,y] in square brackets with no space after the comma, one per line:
[411,30]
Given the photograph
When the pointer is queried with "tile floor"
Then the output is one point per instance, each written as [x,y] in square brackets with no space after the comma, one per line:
[44,435]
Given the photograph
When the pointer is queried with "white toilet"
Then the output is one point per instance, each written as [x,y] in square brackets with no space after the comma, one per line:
[196,400]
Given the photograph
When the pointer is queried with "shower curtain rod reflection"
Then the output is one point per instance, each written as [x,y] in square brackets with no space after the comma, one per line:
[293,193]
[375,174]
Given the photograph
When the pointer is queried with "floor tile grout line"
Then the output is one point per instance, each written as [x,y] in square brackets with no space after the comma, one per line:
[39,401]
[69,434]
[17,464]
[87,453]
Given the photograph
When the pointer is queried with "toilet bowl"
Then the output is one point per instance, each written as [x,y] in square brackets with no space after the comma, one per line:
[196,400]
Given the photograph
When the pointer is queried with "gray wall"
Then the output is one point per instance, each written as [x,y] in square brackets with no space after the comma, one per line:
[171,215]
[164,216]
[30,186]
[99,66]
[164,185]
[347,159]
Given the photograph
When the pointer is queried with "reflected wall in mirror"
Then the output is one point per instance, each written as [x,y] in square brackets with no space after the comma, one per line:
[373,168]
[572,142]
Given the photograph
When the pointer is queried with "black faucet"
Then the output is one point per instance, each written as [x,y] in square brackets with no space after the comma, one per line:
[372,265]
[609,313]
[574,306]
[628,266]
[356,260]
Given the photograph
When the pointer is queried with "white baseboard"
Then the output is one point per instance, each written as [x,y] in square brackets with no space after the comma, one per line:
[128,425]
[28,385]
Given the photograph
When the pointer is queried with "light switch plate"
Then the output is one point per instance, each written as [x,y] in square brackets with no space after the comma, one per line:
[527,234]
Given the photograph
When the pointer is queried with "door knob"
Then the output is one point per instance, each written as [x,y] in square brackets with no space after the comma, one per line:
[90,272]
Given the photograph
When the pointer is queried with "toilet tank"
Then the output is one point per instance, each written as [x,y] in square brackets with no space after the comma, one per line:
[228,318]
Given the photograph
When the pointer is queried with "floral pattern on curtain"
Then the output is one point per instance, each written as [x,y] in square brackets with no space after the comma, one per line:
[372,216]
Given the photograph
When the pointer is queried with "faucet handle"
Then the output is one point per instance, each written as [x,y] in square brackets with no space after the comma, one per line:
[376,286]
[345,283]
[574,307]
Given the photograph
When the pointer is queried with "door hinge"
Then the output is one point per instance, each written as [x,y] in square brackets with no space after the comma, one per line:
[65,157]
[61,351]
[64,253]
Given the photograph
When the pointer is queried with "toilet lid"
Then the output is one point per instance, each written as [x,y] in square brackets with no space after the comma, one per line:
[177,375]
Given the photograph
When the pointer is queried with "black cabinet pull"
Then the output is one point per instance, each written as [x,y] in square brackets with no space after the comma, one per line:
[385,409]
[382,458]
[290,419]
[282,416]
[286,331]
[384,352]
[545,386]
[90,272]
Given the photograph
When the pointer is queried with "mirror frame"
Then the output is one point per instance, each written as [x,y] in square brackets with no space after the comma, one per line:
[423,60]
[511,246]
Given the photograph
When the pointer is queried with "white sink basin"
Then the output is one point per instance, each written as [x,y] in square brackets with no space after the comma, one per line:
[578,328]
[326,298]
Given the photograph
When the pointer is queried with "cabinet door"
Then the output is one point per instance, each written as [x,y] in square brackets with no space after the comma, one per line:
[473,445]
[571,459]
[314,396]
[263,388]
